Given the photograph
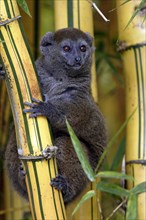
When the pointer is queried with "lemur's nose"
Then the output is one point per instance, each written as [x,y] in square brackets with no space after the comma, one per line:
[78,59]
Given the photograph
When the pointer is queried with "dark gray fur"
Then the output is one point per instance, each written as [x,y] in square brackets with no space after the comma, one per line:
[65,82]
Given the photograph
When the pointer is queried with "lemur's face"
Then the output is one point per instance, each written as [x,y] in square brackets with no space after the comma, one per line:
[74,54]
[68,48]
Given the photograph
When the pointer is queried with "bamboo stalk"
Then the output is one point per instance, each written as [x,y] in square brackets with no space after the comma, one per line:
[133,44]
[12,200]
[15,207]
[33,135]
[75,15]
[78,14]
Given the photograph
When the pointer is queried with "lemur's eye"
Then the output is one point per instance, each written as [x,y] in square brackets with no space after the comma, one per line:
[66,48]
[83,48]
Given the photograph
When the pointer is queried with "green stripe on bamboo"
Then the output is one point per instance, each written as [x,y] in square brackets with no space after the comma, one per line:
[70,13]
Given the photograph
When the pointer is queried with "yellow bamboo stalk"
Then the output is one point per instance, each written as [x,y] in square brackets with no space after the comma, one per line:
[15,206]
[12,200]
[78,14]
[33,135]
[81,17]
[132,43]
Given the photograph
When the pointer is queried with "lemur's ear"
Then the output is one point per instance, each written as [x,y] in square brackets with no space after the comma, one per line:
[89,38]
[46,41]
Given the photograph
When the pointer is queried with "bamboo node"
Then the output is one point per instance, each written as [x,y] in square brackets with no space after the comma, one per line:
[31,157]
[4,23]
[48,153]
[122,46]
[142,162]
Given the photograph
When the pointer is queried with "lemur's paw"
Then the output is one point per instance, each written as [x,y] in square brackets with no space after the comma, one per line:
[59,183]
[50,152]
[36,108]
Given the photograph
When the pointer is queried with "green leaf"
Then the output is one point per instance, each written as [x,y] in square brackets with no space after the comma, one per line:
[86,197]
[112,188]
[114,175]
[125,2]
[131,212]
[111,142]
[140,188]
[23,5]
[81,153]
[119,155]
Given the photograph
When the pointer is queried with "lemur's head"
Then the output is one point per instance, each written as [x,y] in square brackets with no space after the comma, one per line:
[69,47]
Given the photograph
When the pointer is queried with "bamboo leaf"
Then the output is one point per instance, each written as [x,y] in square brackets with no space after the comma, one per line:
[131,212]
[119,155]
[125,2]
[114,175]
[23,5]
[81,154]
[112,188]
[140,188]
[86,197]
[110,144]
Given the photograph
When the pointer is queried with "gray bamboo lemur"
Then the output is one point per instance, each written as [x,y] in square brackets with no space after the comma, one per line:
[64,72]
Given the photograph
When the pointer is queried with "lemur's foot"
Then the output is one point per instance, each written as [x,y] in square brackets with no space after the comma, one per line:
[50,152]
[59,183]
